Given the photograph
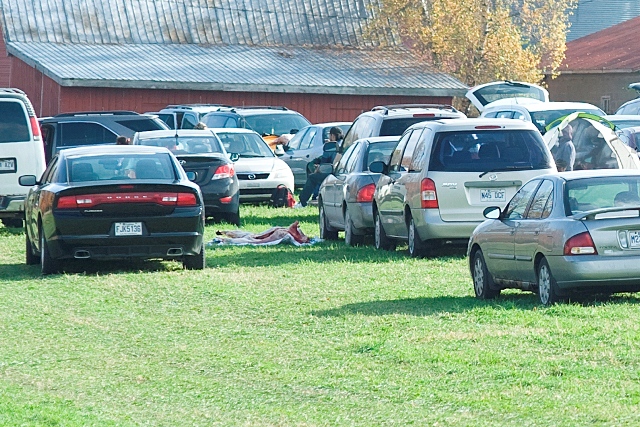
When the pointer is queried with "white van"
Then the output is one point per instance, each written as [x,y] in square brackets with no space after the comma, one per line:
[21,153]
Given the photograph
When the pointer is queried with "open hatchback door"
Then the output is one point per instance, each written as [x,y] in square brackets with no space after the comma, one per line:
[486,93]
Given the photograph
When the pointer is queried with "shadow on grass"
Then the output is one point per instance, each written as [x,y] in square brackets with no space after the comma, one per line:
[283,220]
[11,231]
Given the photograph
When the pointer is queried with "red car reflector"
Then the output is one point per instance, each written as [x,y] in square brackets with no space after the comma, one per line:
[226,199]
[91,200]
[484,127]
[365,194]
[580,244]
[428,195]
[224,171]
[35,128]
[424,115]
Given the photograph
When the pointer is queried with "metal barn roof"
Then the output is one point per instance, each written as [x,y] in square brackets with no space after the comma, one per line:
[596,15]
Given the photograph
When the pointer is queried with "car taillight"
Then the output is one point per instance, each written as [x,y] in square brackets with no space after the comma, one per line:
[580,244]
[365,194]
[35,128]
[91,200]
[224,171]
[428,195]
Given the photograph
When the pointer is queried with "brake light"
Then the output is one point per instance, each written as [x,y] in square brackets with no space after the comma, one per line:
[484,127]
[90,200]
[428,195]
[580,244]
[35,128]
[226,199]
[224,171]
[424,115]
[365,194]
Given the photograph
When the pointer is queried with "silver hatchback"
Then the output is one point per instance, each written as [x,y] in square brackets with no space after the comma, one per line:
[562,233]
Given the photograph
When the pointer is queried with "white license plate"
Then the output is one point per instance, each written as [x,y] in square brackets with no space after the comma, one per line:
[634,239]
[7,165]
[493,195]
[128,229]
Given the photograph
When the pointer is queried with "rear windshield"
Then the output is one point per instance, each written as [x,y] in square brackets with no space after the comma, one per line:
[542,118]
[13,122]
[186,144]
[141,125]
[596,193]
[276,124]
[396,127]
[489,150]
[115,167]
[245,144]
[379,152]
[508,90]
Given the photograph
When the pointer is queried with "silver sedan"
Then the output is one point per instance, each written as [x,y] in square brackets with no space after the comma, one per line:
[345,196]
[562,233]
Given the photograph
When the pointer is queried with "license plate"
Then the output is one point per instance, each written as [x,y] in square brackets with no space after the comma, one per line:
[493,195]
[634,239]
[7,165]
[128,229]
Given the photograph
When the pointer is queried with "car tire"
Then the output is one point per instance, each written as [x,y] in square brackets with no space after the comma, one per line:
[31,258]
[380,237]
[12,222]
[417,247]
[326,231]
[548,290]
[195,262]
[483,284]
[48,265]
[350,237]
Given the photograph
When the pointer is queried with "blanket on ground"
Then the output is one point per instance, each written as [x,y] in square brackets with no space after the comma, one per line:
[272,236]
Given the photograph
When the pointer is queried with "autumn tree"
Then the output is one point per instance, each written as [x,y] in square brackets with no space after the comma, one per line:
[481,40]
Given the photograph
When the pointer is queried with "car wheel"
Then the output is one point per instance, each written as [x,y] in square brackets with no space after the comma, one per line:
[48,265]
[233,218]
[548,290]
[31,258]
[326,231]
[350,238]
[417,247]
[380,237]
[12,222]
[195,262]
[483,284]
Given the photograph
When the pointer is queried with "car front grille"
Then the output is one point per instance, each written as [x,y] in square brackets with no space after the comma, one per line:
[252,176]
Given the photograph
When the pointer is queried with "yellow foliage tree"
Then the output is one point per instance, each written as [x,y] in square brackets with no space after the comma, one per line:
[482,40]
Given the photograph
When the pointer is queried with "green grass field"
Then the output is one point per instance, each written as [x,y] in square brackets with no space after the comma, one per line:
[314,336]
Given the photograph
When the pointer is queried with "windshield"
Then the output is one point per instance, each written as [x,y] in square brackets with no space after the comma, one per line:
[245,144]
[121,166]
[489,150]
[542,118]
[276,124]
[587,194]
[186,144]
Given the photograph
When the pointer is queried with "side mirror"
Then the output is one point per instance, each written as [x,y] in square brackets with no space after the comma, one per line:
[378,167]
[492,212]
[330,147]
[234,157]
[191,176]
[279,151]
[27,180]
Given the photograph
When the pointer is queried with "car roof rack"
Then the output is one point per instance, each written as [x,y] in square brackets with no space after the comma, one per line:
[261,107]
[98,113]
[386,108]
[192,106]
[12,90]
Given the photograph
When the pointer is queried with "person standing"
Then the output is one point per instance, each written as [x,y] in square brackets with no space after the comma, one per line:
[316,178]
[566,151]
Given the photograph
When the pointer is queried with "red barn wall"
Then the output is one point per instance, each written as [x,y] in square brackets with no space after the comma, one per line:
[5,63]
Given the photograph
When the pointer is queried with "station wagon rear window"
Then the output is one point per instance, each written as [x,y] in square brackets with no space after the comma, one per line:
[488,150]
[120,167]
[13,122]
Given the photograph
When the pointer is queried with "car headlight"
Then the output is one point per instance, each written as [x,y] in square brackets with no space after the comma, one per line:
[281,173]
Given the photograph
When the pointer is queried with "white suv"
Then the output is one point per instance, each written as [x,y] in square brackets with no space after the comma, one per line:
[443,174]
[21,153]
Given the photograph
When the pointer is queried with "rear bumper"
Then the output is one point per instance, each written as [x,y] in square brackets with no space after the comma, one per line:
[362,216]
[431,227]
[213,192]
[594,271]
[12,206]
[262,190]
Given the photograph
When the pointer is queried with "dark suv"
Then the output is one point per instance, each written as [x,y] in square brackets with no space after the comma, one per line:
[269,122]
[393,120]
[94,127]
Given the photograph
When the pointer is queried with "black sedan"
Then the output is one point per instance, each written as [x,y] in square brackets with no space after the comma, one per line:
[201,152]
[113,202]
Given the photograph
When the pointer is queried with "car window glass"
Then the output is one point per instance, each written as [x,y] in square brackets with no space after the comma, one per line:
[407,154]
[308,139]
[49,172]
[361,128]
[353,158]
[276,124]
[141,125]
[189,121]
[488,150]
[518,205]
[604,192]
[544,195]
[397,126]
[13,122]
[396,157]
[168,119]
[504,114]
[247,145]
[342,164]
[491,115]
[76,134]
[121,167]
[518,115]
[294,143]
[379,152]
[419,157]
